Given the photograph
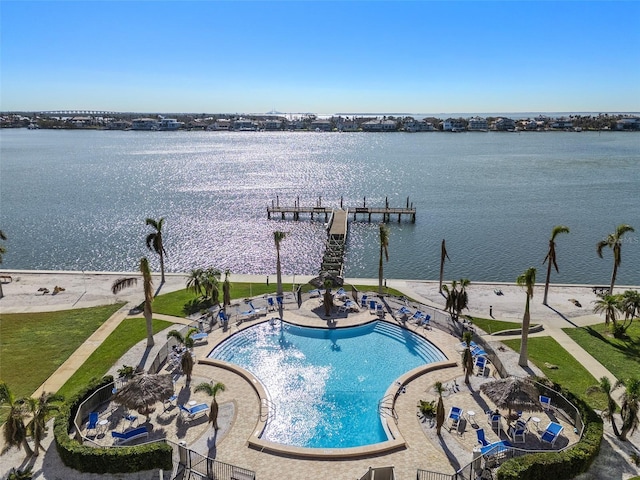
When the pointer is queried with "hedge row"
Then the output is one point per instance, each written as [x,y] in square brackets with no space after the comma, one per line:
[105,460]
[560,465]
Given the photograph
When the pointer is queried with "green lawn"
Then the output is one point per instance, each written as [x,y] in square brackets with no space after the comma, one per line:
[570,373]
[34,345]
[620,357]
[492,326]
[125,336]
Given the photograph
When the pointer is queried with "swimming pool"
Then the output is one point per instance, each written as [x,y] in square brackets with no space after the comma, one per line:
[326,383]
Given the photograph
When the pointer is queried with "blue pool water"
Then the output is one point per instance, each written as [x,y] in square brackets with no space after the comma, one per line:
[326,384]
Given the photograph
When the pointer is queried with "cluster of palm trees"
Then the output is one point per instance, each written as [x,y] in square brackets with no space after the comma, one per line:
[27,417]
[625,304]
[629,405]
[456,299]
[205,284]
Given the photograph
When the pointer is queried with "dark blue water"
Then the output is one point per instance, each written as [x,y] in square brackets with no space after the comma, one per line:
[77,200]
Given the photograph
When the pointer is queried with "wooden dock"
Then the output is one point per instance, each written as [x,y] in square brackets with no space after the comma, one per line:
[386,212]
[337,220]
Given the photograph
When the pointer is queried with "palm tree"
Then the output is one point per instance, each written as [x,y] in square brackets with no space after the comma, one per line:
[440,407]
[226,289]
[450,298]
[154,242]
[277,238]
[443,255]
[212,390]
[467,357]
[187,363]
[609,306]
[461,298]
[205,284]
[14,428]
[185,340]
[630,304]
[608,414]
[384,250]
[41,408]
[527,280]
[123,283]
[551,256]
[3,250]
[614,241]
[630,406]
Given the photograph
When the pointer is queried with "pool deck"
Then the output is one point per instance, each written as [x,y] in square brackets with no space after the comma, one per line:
[421,448]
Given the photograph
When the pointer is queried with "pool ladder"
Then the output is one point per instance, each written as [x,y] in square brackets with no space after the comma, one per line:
[267,410]
[386,407]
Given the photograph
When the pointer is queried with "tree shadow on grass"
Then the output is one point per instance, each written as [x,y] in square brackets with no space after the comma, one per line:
[630,348]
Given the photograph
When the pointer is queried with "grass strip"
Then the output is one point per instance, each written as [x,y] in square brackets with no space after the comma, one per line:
[620,356]
[34,345]
[126,335]
[569,372]
[492,326]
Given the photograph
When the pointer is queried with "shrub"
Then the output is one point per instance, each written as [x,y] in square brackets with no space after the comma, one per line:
[560,465]
[105,460]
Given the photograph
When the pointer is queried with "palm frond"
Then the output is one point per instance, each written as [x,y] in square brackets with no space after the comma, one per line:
[122,283]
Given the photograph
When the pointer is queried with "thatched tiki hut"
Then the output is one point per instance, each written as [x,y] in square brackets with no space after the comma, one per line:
[512,393]
[142,392]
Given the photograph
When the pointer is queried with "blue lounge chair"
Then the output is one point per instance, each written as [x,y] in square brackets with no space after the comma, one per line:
[545,402]
[481,364]
[481,438]
[417,317]
[280,301]
[363,300]
[120,438]
[224,318]
[404,312]
[495,448]
[199,336]
[271,305]
[169,402]
[455,414]
[341,294]
[551,433]
[92,424]
[193,412]
[131,418]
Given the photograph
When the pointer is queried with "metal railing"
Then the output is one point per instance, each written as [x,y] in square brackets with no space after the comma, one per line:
[191,462]
[428,475]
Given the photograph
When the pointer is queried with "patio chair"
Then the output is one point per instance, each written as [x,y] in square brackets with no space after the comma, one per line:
[545,402]
[481,438]
[193,412]
[169,402]
[417,316]
[495,420]
[495,448]
[280,301]
[363,300]
[120,438]
[224,318]
[129,417]
[517,433]
[341,294]
[481,364]
[373,307]
[403,312]
[425,322]
[92,424]
[551,433]
[271,304]
[455,414]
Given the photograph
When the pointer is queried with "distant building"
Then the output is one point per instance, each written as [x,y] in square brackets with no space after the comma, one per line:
[562,123]
[504,124]
[169,124]
[418,126]
[220,124]
[380,126]
[478,124]
[321,125]
[347,126]
[245,125]
[272,124]
[144,124]
[453,125]
[628,124]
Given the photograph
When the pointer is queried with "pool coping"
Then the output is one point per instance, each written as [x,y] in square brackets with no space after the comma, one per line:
[396,441]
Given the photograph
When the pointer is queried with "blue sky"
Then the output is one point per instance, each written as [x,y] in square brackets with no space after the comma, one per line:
[324,57]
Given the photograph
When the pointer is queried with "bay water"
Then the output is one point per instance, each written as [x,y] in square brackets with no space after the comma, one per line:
[78,199]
